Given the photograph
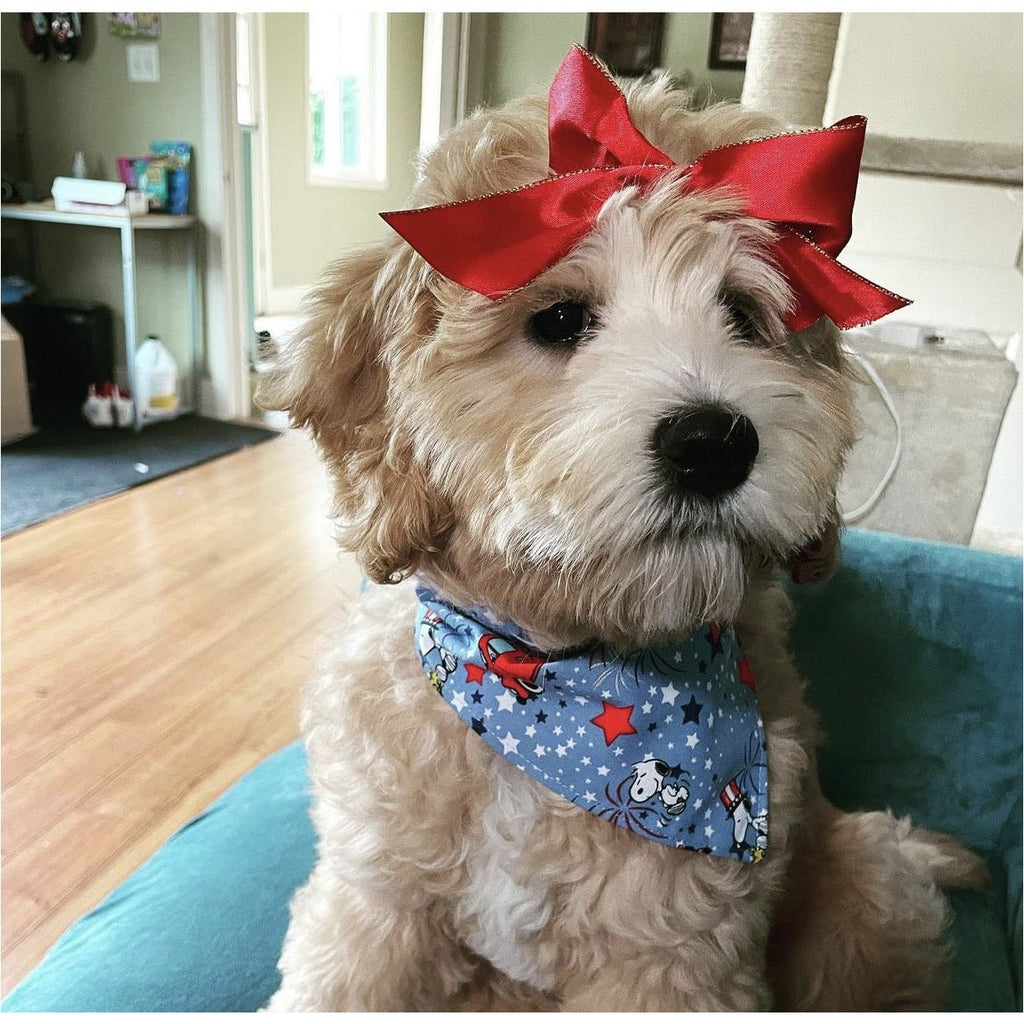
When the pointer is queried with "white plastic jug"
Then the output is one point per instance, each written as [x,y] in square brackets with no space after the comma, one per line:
[156,378]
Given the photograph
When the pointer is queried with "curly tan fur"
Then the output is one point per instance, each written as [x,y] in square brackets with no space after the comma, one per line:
[520,479]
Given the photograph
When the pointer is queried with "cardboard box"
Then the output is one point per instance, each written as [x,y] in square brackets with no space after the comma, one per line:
[15,412]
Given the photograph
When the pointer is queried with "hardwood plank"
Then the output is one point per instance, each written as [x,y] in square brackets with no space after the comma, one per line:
[154,646]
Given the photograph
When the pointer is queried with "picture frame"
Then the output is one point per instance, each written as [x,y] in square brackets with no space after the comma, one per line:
[630,44]
[730,40]
[135,26]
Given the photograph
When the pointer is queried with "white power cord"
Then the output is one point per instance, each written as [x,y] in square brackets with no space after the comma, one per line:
[883,391]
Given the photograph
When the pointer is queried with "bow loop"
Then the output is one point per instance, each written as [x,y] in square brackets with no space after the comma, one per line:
[806,180]
[803,182]
[589,123]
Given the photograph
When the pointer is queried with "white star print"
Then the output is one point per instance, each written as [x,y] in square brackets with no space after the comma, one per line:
[692,740]
[603,770]
[540,751]
[589,796]
[580,731]
[531,731]
[646,707]
[708,831]
[711,719]
[585,761]
[707,814]
[560,750]
[707,764]
[558,730]
[509,744]
[571,744]
[679,656]
[618,751]
[581,700]
[606,694]
[488,712]
[698,804]
[506,701]
[669,694]
[459,701]
[669,719]
[652,690]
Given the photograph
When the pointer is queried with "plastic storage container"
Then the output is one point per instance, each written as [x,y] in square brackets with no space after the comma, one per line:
[156,379]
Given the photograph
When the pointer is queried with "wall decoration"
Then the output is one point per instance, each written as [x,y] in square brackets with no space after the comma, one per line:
[66,35]
[630,44]
[730,39]
[133,25]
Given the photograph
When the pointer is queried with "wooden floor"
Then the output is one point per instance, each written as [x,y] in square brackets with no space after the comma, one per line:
[154,645]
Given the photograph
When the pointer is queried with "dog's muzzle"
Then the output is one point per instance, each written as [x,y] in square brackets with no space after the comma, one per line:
[706,450]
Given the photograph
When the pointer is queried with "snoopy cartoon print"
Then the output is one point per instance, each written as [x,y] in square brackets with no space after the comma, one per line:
[429,642]
[737,807]
[649,778]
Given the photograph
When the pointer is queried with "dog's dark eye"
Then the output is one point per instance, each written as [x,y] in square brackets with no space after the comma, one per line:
[743,314]
[563,324]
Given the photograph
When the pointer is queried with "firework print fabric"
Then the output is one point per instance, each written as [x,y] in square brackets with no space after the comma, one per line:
[665,742]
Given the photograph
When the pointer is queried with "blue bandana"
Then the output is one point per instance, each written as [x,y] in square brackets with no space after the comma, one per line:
[666,742]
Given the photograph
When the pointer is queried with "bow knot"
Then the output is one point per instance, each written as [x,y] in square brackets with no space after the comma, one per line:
[804,183]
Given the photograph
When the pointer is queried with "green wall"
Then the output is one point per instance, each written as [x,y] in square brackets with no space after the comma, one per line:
[88,104]
[523,51]
[310,225]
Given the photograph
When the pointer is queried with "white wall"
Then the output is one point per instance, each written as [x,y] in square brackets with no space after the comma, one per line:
[952,246]
[931,76]
[949,245]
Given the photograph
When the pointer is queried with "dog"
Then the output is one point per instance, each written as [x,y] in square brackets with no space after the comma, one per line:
[543,460]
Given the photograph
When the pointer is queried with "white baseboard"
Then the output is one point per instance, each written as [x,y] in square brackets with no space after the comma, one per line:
[285,300]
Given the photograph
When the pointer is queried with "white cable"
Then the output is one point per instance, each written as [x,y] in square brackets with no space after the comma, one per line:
[883,391]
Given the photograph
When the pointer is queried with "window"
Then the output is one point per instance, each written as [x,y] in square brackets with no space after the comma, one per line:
[243,70]
[347,98]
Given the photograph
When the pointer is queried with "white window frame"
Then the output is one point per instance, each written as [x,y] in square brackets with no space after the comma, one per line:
[375,175]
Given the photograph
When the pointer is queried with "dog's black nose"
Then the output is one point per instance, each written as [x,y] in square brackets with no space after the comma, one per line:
[706,450]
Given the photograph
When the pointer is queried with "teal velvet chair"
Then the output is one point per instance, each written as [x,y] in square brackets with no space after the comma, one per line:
[913,651]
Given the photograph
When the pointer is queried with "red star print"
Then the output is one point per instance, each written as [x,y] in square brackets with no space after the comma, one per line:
[746,674]
[614,722]
[474,673]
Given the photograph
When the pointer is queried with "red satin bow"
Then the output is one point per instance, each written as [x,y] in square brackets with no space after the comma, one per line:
[803,182]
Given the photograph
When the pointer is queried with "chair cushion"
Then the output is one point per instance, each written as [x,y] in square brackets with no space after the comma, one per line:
[914,652]
[200,925]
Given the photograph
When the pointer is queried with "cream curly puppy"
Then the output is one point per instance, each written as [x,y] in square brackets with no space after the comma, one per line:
[545,458]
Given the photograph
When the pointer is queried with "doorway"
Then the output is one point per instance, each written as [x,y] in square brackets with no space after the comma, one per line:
[328,113]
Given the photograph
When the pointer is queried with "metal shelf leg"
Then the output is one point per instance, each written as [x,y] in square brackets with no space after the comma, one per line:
[131,313]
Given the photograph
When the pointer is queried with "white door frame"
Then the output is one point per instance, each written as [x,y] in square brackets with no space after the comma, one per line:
[260,163]
[451,86]
[453,46]
[225,392]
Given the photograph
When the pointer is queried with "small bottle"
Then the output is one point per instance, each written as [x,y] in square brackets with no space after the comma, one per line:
[78,169]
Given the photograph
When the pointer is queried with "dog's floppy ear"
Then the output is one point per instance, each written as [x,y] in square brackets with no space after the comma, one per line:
[818,559]
[334,377]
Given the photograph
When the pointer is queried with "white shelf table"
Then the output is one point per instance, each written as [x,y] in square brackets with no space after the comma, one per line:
[45,213]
